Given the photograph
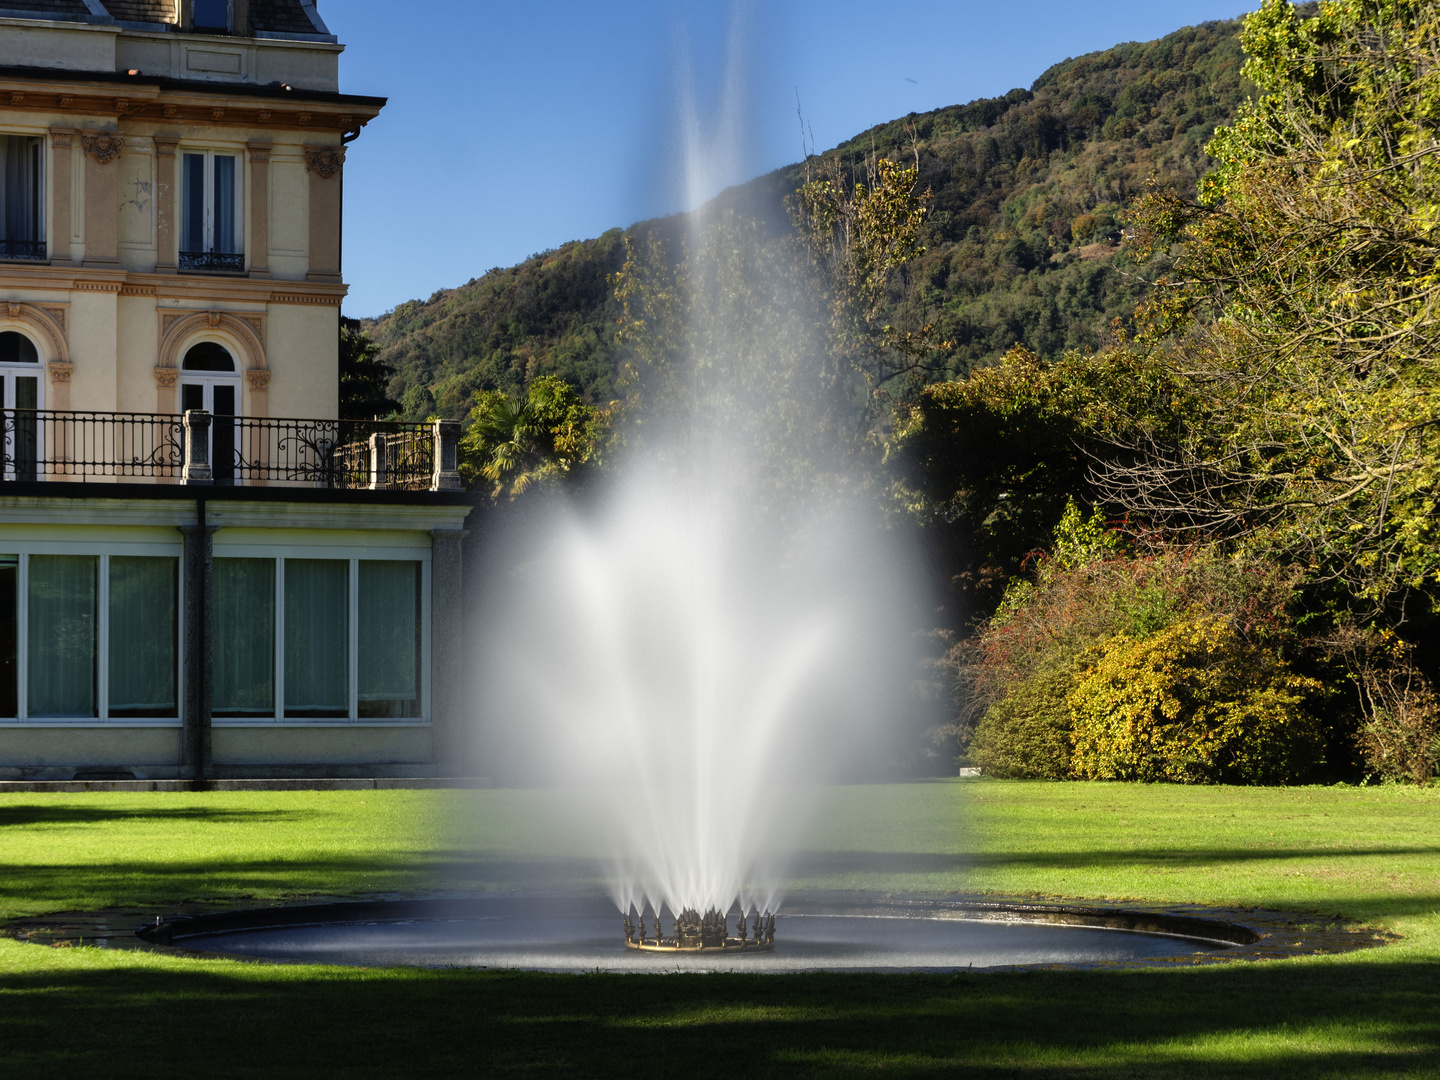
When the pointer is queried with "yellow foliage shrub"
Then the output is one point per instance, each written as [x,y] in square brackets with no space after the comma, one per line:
[1195,703]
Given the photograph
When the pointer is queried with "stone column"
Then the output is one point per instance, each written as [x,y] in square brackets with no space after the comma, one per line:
[61,141]
[449,743]
[259,205]
[102,197]
[324,164]
[198,633]
[167,220]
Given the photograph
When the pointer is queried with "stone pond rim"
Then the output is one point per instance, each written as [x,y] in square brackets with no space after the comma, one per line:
[1242,933]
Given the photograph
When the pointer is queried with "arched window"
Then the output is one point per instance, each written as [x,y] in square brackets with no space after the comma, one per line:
[21,389]
[209,380]
[208,356]
[16,348]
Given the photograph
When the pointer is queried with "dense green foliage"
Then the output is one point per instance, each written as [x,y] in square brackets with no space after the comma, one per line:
[1367,854]
[364,377]
[1301,310]
[513,443]
[1020,239]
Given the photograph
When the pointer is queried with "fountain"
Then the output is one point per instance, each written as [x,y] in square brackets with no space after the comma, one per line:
[706,639]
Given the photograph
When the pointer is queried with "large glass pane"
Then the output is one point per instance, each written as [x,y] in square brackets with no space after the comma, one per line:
[9,635]
[225,204]
[192,228]
[243,657]
[25,451]
[143,620]
[222,435]
[62,629]
[317,618]
[20,219]
[389,667]
[212,15]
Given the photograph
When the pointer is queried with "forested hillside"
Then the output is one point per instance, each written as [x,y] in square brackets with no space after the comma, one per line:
[1022,237]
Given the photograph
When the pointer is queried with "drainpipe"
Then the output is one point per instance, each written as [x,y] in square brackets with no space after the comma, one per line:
[199,658]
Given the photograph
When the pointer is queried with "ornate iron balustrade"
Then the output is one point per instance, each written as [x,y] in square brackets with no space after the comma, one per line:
[30,250]
[201,448]
[214,261]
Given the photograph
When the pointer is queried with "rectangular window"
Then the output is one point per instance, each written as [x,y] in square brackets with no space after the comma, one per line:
[22,219]
[144,609]
[243,657]
[212,15]
[389,628]
[63,632]
[317,649]
[9,635]
[210,216]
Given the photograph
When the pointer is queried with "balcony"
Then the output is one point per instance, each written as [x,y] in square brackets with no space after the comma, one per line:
[23,250]
[213,262]
[201,448]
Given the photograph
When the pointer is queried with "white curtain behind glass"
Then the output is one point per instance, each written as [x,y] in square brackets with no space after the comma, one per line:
[243,663]
[142,636]
[317,618]
[62,625]
[389,675]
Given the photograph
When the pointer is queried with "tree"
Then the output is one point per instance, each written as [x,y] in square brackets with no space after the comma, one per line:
[364,379]
[1301,316]
[544,437]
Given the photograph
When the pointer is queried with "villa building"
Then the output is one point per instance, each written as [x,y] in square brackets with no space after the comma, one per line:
[205,572]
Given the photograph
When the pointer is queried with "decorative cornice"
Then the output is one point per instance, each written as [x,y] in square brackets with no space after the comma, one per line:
[104,146]
[259,378]
[60,137]
[129,289]
[60,370]
[98,286]
[322,300]
[324,160]
[165,145]
[259,151]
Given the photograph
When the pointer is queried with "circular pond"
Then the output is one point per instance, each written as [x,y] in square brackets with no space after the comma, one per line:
[584,934]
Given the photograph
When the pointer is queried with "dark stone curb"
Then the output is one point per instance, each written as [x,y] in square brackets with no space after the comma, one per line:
[379,783]
[1248,934]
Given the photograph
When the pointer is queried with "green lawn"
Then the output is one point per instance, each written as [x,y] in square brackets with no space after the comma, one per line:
[1371,853]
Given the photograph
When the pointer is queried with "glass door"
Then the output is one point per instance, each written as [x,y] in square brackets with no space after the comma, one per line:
[218,399]
[22,424]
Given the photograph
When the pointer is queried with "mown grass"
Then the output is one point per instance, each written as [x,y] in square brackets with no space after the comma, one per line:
[1370,854]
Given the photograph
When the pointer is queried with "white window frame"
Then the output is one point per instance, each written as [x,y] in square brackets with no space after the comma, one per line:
[210,153]
[354,556]
[102,635]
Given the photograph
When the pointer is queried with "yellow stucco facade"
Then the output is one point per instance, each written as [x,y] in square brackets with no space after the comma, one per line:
[111,307]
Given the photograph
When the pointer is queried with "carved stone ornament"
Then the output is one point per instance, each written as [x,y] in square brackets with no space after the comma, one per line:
[325,161]
[166,377]
[213,318]
[104,147]
[259,378]
[60,371]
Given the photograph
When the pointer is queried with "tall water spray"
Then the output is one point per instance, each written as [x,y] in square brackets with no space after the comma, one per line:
[720,630]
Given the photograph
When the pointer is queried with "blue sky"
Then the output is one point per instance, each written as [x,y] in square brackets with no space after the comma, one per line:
[514,127]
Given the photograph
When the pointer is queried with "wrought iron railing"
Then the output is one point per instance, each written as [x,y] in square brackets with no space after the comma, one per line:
[30,250]
[222,261]
[202,448]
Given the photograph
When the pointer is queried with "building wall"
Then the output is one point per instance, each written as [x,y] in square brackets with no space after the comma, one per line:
[88,522]
[113,220]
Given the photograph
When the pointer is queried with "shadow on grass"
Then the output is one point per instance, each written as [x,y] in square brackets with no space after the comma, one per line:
[834,862]
[1296,1020]
[31,816]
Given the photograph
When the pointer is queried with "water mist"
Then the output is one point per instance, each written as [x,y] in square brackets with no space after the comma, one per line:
[719,627]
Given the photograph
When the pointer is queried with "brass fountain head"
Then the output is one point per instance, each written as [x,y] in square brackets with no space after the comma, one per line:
[696,933]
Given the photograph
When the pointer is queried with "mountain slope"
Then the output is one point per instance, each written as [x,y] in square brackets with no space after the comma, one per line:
[1022,238]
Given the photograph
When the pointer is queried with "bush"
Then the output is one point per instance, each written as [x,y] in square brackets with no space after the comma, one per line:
[1195,703]
[1026,734]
